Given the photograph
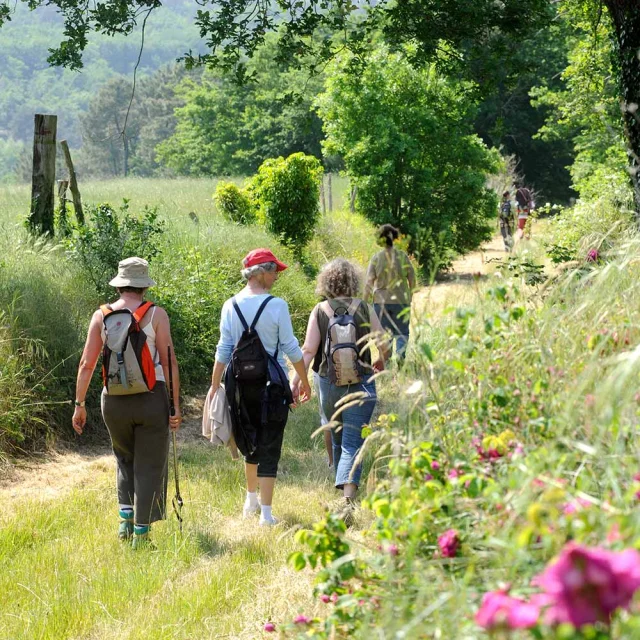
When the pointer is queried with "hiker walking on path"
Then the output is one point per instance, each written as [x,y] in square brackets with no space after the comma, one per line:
[392,279]
[133,337]
[339,338]
[524,198]
[255,333]
[506,219]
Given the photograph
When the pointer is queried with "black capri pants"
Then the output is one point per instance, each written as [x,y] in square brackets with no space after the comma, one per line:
[268,436]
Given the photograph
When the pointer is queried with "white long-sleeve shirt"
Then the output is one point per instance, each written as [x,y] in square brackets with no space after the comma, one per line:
[274,327]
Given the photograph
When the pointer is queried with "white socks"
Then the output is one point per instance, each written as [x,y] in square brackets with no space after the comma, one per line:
[266,512]
[252,499]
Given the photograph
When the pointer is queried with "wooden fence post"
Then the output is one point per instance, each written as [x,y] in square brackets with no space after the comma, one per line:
[330,194]
[43,176]
[322,200]
[63,222]
[73,183]
[352,202]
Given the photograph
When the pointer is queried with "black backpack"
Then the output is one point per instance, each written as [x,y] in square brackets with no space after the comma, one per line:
[249,360]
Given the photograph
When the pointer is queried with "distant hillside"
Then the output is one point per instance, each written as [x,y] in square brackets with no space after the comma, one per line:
[28,85]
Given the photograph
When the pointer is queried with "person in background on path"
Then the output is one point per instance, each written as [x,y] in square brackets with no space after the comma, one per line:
[260,271]
[506,218]
[138,422]
[339,283]
[525,205]
[392,279]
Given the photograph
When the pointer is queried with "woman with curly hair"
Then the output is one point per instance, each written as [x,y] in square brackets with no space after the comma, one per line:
[339,283]
[392,278]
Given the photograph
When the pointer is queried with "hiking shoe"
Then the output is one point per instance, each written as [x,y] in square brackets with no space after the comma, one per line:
[125,530]
[249,509]
[142,542]
[346,512]
[268,522]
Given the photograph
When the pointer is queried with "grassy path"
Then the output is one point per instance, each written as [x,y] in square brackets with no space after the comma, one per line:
[65,575]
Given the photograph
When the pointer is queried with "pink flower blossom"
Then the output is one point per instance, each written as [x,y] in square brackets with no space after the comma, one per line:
[454,473]
[499,610]
[269,627]
[614,534]
[392,550]
[302,620]
[586,585]
[428,477]
[435,465]
[593,255]
[449,543]
[325,598]
[575,505]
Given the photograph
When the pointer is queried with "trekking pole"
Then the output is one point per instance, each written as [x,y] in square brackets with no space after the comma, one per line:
[177,499]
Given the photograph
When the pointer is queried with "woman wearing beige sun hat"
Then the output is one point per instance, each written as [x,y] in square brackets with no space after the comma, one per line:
[134,337]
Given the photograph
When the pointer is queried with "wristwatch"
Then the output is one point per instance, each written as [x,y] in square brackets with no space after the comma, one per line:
[79,404]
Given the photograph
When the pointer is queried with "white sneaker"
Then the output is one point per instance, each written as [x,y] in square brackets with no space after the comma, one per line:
[268,522]
[249,509]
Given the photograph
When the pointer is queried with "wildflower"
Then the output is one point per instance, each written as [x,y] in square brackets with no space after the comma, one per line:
[593,255]
[499,610]
[614,534]
[302,620]
[586,585]
[428,477]
[269,627]
[575,505]
[334,598]
[325,598]
[435,465]
[449,543]
[454,473]
[392,550]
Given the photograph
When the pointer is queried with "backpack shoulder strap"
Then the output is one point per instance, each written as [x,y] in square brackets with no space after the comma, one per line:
[353,307]
[237,308]
[106,310]
[265,302]
[140,312]
[328,309]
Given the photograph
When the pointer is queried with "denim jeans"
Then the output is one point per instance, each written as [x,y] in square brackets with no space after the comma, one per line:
[347,436]
[395,319]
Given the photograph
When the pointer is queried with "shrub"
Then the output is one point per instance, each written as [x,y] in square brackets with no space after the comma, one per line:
[110,236]
[234,203]
[406,136]
[287,191]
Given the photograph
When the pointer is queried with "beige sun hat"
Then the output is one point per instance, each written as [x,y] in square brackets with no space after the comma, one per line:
[133,272]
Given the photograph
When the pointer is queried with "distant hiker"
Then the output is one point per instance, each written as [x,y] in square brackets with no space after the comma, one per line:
[392,279]
[340,334]
[133,337]
[525,205]
[506,221]
[255,333]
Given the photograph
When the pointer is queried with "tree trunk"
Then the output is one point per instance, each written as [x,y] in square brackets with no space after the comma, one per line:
[126,155]
[43,174]
[625,15]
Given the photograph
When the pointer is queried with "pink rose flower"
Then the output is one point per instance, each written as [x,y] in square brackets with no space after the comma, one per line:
[269,627]
[499,610]
[449,543]
[586,585]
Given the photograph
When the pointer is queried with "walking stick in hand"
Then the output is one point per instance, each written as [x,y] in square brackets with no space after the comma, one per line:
[177,499]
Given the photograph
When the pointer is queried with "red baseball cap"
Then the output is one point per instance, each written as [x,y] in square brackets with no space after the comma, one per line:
[260,256]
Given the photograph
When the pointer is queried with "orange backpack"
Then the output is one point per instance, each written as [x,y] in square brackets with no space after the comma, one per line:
[127,365]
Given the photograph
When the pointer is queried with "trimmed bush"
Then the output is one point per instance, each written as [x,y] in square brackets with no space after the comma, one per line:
[287,191]
[234,203]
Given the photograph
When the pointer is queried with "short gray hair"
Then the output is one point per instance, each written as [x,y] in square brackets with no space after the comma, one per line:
[265,267]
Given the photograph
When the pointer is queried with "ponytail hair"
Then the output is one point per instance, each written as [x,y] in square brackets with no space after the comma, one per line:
[388,233]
